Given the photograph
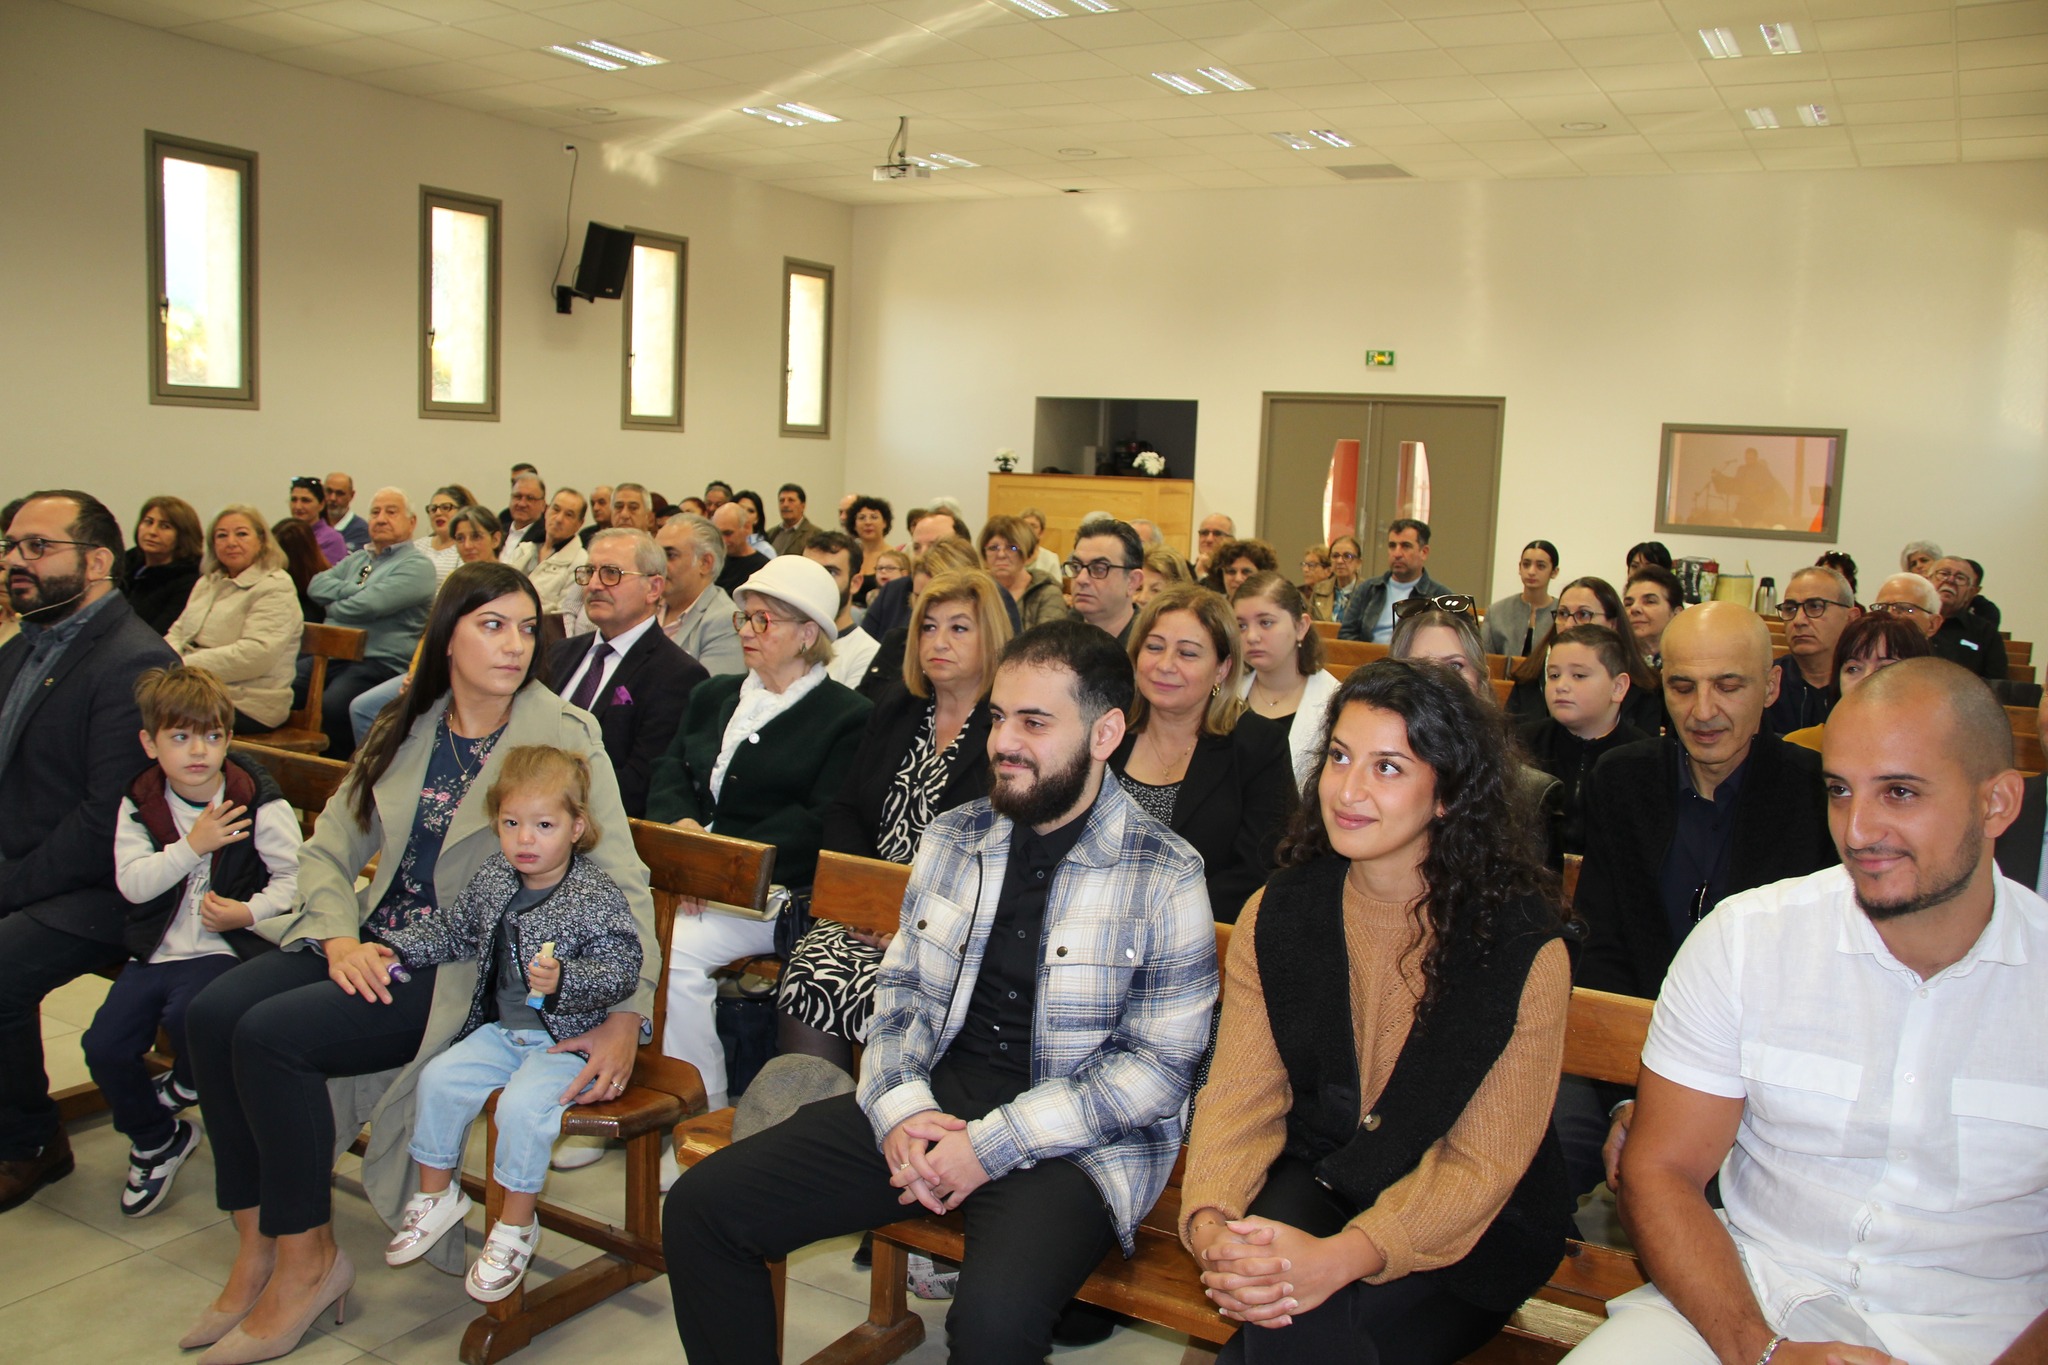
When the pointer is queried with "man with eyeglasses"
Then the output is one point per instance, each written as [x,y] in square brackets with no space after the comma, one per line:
[1910,597]
[528,510]
[385,589]
[1819,605]
[1214,530]
[626,673]
[1370,613]
[340,492]
[1963,637]
[68,726]
[1107,569]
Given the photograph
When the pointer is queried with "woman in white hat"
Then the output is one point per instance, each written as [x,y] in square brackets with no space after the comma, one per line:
[760,755]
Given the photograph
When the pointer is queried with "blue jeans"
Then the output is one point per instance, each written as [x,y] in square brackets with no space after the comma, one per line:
[454,1086]
[362,712]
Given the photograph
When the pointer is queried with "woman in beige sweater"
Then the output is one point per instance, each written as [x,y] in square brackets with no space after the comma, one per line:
[1371,1175]
[242,622]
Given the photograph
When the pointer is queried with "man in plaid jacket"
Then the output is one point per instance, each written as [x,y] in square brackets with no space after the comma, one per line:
[1038,1021]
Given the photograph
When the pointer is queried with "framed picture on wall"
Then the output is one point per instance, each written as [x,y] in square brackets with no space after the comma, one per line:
[1775,483]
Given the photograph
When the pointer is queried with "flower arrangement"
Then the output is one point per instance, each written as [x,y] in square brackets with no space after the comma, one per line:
[1006,460]
[1150,463]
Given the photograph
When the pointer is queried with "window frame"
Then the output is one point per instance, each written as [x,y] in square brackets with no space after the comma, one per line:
[161,390]
[792,267]
[627,420]
[492,210]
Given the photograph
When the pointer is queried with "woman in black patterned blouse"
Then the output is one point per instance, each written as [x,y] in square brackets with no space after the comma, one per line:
[925,752]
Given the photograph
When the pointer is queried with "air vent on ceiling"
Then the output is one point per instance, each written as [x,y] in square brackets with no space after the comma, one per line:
[1383,171]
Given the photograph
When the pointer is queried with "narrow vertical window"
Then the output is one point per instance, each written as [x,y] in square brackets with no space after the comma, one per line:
[458,306]
[806,348]
[202,273]
[655,292]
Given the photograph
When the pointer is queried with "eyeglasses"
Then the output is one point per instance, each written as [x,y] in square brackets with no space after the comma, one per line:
[1900,609]
[759,620]
[1097,569]
[1349,555]
[1584,616]
[1456,603]
[434,507]
[35,547]
[610,575]
[998,547]
[1950,576]
[1791,607]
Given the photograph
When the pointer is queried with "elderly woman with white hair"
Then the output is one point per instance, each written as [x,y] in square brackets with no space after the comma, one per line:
[1918,557]
[760,755]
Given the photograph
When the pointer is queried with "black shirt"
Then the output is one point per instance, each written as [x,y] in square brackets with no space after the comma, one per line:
[1569,759]
[738,569]
[1695,874]
[1799,704]
[1974,643]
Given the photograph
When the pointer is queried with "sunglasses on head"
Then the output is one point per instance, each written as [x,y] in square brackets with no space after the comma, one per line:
[1455,603]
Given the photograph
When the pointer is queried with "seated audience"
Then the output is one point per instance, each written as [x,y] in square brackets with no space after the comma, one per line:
[853,649]
[1649,553]
[1043,559]
[160,571]
[1209,537]
[794,527]
[633,509]
[1149,534]
[68,727]
[1843,564]
[1675,826]
[888,613]
[438,545]
[1234,561]
[476,534]
[385,589]
[1315,581]
[925,752]
[525,519]
[1651,597]
[696,614]
[626,673]
[757,518]
[1192,757]
[1817,607]
[1042,1102]
[1980,606]
[242,622]
[1371,615]
[1964,638]
[758,756]
[1515,624]
[519,471]
[1345,557]
[1370,1175]
[303,561]
[552,561]
[1918,557]
[869,520]
[663,511]
[1163,569]
[600,513]
[338,512]
[1587,602]
[1009,548]
[742,561]
[1585,683]
[717,494]
[1107,570]
[1869,644]
[2021,847]
[1283,679]
[1853,1053]
[308,497]
[890,565]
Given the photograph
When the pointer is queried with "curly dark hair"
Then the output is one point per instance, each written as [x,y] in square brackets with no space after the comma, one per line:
[1483,852]
[862,504]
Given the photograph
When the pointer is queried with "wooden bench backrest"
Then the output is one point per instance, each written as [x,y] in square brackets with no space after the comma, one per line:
[1327,629]
[1604,1035]
[308,781]
[1349,654]
[2026,739]
[343,644]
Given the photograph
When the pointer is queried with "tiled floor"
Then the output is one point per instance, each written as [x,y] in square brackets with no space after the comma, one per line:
[81,1283]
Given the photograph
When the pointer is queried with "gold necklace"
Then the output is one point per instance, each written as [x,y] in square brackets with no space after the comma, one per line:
[1168,769]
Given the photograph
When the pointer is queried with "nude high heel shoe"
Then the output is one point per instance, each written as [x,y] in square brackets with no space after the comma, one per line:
[211,1327]
[240,1348]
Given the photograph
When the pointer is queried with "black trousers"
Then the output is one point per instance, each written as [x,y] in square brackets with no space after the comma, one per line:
[265,1038]
[39,959]
[1032,1238]
[145,997]
[1414,1320]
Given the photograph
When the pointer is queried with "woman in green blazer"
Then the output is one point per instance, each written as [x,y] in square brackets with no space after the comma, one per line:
[296,1047]
[759,755]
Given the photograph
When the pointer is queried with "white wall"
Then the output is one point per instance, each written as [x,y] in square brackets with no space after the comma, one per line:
[340,166]
[1909,306]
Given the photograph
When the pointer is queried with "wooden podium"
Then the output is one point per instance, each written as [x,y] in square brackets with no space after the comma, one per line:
[1067,498]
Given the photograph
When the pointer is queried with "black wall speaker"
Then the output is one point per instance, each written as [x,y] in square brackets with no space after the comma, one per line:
[607,256]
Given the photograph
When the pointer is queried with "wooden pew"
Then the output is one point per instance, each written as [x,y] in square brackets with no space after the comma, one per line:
[1603,1041]
[2026,739]
[301,731]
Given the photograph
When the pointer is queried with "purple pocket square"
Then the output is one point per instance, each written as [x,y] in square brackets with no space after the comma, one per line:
[621,697]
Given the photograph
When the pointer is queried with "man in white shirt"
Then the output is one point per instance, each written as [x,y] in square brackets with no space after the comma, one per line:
[695,612]
[1858,1053]
[855,649]
[529,505]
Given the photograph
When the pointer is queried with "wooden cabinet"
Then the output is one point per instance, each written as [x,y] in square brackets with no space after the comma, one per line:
[1066,498]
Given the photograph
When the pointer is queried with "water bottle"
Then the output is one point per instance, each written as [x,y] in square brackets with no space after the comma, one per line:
[1766,597]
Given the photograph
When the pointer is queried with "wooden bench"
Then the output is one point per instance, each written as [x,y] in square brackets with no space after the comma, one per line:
[1603,1041]
[2026,739]
[301,732]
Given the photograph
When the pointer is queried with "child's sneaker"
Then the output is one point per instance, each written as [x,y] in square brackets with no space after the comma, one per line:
[150,1174]
[503,1265]
[928,1280]
[173,1096]
[426,1218]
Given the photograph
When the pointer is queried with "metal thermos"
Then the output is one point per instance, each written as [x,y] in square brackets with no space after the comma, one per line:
[1766,597]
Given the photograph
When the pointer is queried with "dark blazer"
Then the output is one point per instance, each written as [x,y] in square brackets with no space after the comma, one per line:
[1781,830]
[640,707]
[1233,806]
[62,787]
[853,823]
[2019,848]
[777,787]
[157,595]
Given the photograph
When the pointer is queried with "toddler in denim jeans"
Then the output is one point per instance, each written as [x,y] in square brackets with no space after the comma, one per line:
[556,948]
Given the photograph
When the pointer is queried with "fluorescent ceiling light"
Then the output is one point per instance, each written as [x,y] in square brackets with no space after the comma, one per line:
[587,58]
[805,111]
[1780,39]
[1294,140]
[1038,9]
[956,162]
[1181,83]
[1761,118]
[776,116]
[1813,115]
[1095,6]
[1720,43]
[1334,139]
[630,56]
[1224,78]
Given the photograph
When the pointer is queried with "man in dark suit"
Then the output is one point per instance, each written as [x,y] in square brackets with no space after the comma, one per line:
[68,749]
[627,674]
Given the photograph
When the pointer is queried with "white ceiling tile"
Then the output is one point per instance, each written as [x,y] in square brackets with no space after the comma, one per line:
[1349,96]
[1295,76]
[1219,20]
[2029,49]
[1359,39]
[1011,40]
[521,64]
[1778,96]
[299,32]
[2015,125]
[2013,102]
[233,36]
[330,58]
[1492,132]
[1555,109]
[167,13]
[1726,139]
[1853,9]
[1999,80]
[1428,89]
[1632,51]
[1877,134]
[1455,112]
[1489,59]
[779,68]
[531,32]
[1805,158]
[1648,103]
[1477,29]
[438,79]
[1100,31]
[1607,21]
[1394,66]
[1928,85]
[1806,66]
[1659,76]
[1637,163]
[607,18]
[1438,9]
[454,44]
[1898,111]
[1908,154]
[1527,83]
[1889,30]
[1709,163]
[1897,61]
[757,35]
[1064,66]
[1264,46]
[1317,14]
[449,11]
[2002,21]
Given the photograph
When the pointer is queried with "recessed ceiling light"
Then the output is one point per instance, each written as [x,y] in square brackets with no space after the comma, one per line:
[1077,151]
[1813,115]
[1720,43]
[1780,39]
[806,112]
[589,59]
[1038,9]
[1334,139]
[777,116]
[630,56]
[1224,78]
[1762,118]
[955,162]
[1176,81]
[1582,126]
[1095,6]
[597,111]
[1294,140]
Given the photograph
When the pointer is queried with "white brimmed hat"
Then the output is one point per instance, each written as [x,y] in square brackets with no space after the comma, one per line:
[803,584]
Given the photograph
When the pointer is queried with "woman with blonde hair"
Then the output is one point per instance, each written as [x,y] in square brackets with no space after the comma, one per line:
[1163,568]
[242,621]
[1008,546]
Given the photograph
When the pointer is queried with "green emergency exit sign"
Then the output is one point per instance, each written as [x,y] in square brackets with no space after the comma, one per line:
[1379,357]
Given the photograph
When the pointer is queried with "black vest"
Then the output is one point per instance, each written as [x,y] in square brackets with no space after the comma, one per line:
[1305,964]
[238,870]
